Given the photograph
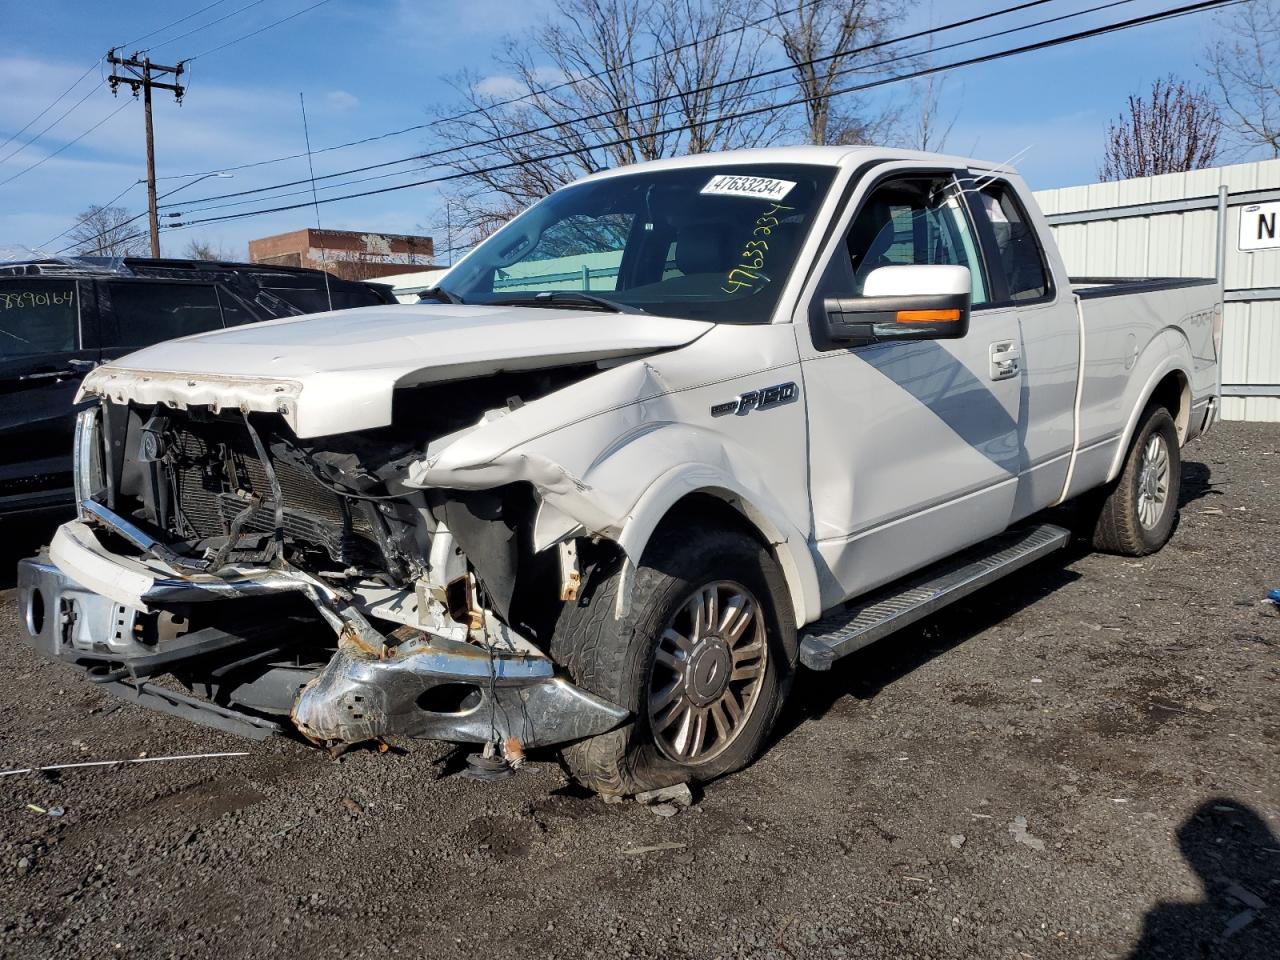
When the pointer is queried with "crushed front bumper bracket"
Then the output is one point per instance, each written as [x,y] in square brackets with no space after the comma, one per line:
[429,688]
[444,690]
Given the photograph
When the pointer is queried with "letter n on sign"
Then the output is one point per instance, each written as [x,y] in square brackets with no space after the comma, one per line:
[1260,226]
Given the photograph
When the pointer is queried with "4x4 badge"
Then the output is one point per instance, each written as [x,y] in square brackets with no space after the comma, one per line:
[756,400]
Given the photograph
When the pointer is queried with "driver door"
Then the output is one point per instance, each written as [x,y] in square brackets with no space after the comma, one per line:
[914,447]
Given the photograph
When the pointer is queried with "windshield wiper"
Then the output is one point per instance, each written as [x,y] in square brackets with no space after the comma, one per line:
[441,294]
[573,299]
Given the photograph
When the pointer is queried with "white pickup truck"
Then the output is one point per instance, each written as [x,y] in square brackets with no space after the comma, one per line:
[673,431]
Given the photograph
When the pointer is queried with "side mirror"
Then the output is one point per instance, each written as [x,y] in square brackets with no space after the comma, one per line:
[928,302]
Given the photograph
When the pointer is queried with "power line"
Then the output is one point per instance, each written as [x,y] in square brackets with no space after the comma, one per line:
[254,33]
[50,156]
[203,26]
[777,15]
[148,36]
[80,79]
[969,21]
[56,100]
[189,209]
[90,216]
[66,113]
[135,217]
[1168,14]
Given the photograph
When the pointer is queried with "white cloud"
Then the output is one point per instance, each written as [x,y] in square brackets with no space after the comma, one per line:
[415,22]
[502,85]
[498,85]
[341,101]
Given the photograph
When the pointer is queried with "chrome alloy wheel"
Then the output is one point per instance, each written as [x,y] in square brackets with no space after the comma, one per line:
[707,672]
[1153,481]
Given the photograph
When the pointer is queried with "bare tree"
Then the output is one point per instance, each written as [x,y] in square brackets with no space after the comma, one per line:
[930,129]
[205,249]
[108,232]
[594,59]
[836,33]
[1172,131]
[1245,69]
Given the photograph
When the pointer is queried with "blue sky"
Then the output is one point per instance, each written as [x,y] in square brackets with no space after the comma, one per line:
[369,66]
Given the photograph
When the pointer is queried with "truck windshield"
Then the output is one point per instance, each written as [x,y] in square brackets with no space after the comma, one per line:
[707,243]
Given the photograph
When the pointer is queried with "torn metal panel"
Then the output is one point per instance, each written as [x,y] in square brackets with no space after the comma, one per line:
[617,472]
[453,691]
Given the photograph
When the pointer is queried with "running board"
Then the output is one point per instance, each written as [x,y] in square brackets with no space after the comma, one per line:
[864,621]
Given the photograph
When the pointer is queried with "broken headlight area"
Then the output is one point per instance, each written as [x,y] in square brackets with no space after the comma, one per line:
[311,587]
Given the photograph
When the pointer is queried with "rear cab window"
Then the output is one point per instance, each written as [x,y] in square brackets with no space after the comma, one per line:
[38,318]
[147,312]
[1018,253]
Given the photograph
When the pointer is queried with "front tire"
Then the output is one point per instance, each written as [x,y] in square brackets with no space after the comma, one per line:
[703,660]
[1139,512]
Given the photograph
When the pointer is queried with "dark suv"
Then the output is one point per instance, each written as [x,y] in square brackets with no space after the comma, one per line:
[60,318]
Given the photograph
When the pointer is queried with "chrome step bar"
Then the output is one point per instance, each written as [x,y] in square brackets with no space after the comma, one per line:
[864,621]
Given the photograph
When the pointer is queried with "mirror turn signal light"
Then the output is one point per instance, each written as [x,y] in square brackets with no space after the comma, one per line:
[929,316]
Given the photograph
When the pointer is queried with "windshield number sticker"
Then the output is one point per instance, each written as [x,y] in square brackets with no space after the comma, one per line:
[745,274]
[757,188]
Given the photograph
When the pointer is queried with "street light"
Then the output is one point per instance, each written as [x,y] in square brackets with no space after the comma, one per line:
[217,173]
[221,174]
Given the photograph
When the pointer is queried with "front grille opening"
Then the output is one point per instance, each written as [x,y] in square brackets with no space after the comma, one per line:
[216,469]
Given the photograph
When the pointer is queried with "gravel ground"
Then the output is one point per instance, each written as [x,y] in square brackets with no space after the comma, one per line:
[1080,761]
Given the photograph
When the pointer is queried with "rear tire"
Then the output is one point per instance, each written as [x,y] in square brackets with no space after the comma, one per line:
[703,691]
[1139,511]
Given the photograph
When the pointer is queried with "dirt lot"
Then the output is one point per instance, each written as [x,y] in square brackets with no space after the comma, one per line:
[1081,761]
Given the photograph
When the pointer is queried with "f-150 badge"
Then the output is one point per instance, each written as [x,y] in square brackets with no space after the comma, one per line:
[756,400]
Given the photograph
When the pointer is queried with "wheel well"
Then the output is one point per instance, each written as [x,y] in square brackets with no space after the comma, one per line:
[707,509]
[723,510]
[1174,394]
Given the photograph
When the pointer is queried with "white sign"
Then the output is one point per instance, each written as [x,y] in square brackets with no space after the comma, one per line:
[1260,226]
[760,188]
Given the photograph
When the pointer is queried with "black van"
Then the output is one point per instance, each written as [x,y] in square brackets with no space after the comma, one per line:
[60,318]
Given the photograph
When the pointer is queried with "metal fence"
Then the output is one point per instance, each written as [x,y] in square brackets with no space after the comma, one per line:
[1187,225]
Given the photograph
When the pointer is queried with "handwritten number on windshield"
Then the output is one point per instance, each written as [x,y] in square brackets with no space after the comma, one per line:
[754,252]
[29,299]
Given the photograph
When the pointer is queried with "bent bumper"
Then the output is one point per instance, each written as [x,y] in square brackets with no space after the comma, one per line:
[254,673]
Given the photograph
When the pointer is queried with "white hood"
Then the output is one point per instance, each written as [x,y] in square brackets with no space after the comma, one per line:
[336,372]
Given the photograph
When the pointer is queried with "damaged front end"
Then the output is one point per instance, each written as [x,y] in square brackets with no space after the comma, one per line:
[224,570]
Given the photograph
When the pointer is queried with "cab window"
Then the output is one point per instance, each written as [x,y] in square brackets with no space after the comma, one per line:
[912,222]
[150,312]
[1017,247]
[38,318]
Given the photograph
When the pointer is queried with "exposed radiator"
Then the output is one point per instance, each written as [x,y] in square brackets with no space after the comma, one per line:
[213,460]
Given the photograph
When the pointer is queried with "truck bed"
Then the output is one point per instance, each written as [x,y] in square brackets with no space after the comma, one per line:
[1131,329]
[1089,288]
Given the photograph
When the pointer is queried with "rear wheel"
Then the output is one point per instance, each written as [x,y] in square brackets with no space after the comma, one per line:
[702,660]
[1138,514]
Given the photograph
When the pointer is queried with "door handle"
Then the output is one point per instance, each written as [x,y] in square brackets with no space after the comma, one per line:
[1005,357]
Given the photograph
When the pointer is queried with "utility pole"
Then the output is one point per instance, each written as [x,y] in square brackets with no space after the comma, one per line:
[139,74]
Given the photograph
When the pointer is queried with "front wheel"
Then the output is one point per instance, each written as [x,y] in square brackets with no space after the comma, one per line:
[702,660]
[1139,512]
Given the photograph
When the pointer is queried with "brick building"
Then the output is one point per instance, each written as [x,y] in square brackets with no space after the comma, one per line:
[345,253]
